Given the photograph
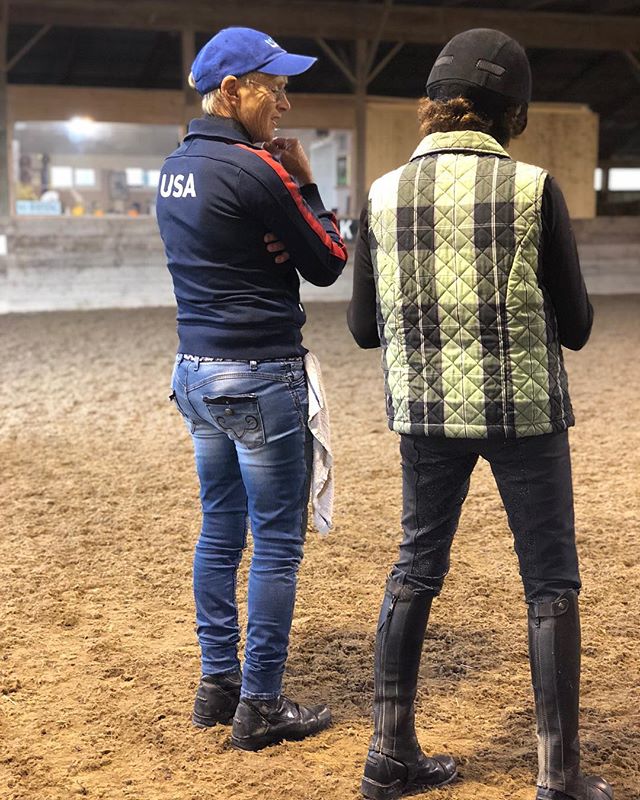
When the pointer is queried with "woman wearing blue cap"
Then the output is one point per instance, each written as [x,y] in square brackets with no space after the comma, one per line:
[231,197]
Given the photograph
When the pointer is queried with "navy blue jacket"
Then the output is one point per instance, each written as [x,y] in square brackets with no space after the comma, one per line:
[218,196]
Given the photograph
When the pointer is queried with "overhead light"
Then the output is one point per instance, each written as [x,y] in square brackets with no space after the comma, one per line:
[81,127]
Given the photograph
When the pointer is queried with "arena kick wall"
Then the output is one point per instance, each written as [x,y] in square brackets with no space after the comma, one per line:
[49,264]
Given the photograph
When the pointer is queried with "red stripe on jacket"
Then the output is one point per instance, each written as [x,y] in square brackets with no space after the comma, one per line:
[337,250]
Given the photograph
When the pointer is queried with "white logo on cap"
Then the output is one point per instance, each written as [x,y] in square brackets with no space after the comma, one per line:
[271,43]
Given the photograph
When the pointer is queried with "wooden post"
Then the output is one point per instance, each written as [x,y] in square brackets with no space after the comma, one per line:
[362,63]
[188,56]
[604,191]
[5,139]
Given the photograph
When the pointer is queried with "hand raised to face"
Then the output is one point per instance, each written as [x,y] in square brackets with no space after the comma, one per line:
[291,155]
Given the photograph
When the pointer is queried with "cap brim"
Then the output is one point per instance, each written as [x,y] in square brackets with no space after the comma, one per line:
[288,64]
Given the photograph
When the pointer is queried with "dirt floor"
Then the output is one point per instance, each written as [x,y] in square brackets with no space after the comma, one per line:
[98,657]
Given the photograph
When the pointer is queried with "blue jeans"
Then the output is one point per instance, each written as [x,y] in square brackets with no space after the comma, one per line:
[248,422]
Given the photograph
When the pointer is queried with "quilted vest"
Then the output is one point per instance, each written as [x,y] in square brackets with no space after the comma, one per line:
[469,336]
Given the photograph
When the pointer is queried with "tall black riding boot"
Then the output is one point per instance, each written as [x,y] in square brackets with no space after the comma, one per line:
[554,654]
[395,764]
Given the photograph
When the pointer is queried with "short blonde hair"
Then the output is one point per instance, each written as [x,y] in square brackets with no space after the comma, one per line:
[213,102]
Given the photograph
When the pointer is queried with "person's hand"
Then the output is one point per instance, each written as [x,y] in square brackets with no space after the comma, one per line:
[291,155]
[274,245]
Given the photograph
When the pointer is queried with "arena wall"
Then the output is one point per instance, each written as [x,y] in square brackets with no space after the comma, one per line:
[561,137]
[66,263]
[54,263]
[49,264]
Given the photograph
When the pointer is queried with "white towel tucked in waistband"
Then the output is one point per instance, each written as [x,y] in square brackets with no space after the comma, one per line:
[322,474]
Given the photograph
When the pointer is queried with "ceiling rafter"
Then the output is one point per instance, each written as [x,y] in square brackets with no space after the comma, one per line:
[384,61]
[619,110]
[339,20]
[592,67]
[618,142]
[69,59]
[634,62]
[621,6]
[153,63]
[533,5]
[338,60]
[27,46]
[375,44]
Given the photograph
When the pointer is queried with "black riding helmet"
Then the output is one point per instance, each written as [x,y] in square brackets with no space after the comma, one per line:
[481,62]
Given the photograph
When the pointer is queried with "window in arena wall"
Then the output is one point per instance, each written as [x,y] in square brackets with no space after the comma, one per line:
[597,179]
[82,167]
[135,176]
[84,177]
[61,177]
[624,179]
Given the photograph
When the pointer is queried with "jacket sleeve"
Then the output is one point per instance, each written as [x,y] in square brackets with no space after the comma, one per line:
[361,314]
[297,217]
[559,270]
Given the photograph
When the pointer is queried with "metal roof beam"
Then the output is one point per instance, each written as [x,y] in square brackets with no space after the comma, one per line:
[343,20]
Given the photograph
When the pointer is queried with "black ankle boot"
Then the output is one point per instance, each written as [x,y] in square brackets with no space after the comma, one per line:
[216,699]
[554,654]
[395,764]
[259,723]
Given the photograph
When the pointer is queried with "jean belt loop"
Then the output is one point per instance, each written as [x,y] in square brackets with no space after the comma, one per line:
[180,358]
[253,365]
[197,366]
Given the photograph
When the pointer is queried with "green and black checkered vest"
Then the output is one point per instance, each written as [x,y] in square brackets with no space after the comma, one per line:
[469,337]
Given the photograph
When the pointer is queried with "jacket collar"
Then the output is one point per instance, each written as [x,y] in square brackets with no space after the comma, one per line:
[222,128]
[457,141]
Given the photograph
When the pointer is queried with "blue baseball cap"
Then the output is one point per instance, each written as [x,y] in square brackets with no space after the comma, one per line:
[237,51]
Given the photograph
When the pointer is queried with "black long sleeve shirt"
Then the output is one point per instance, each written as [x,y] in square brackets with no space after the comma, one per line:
[558,272]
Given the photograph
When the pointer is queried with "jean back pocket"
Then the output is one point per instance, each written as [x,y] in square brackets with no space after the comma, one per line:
[239,417]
